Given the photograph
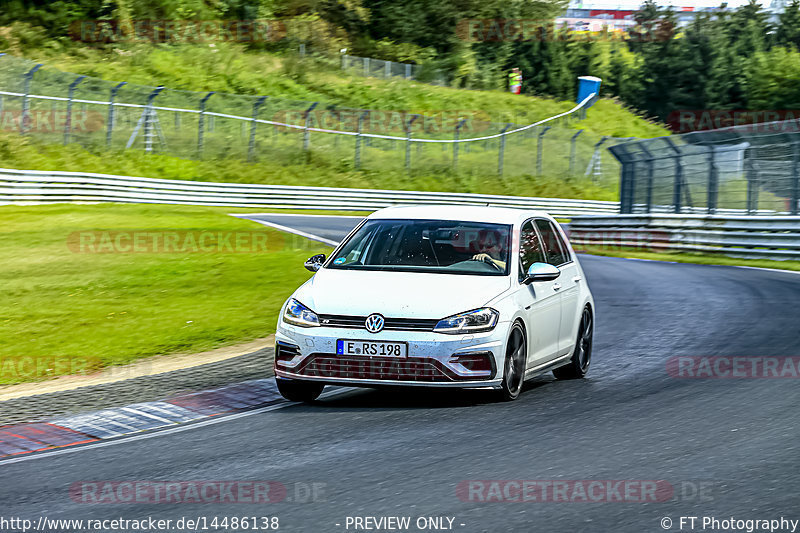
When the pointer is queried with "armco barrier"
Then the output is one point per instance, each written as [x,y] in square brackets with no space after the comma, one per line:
[764,237]
[34,187]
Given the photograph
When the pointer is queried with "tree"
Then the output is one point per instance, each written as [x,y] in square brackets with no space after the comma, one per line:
[788,31]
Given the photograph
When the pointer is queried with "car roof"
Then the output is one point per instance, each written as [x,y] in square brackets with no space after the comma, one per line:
[497,215]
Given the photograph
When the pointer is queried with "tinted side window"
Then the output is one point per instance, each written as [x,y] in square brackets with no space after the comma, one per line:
[563,245]
[555,255]
[530,249]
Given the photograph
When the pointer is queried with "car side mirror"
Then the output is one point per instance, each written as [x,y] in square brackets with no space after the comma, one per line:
[541,272]
[314,262]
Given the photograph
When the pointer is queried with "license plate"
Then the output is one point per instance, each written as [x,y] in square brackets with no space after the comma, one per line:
[373,349]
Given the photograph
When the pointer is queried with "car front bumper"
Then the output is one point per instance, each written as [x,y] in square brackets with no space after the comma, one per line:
[433,360]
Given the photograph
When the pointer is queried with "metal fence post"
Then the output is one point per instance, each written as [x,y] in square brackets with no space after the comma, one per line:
[251,147]
[713,182]
[573,142]
[365,61]
[110,125]
[148,136]
[595,164]
[344,61]
[408,141]
[752,184]
[627,174]
[306,119]
[455,144]
[387,70]
[357,161]
[1,96]
[408,70]
[649,193]
[23,124]
[70,96]
[795,179]
[539,147]
[678,188]
[502,150]
[201,119]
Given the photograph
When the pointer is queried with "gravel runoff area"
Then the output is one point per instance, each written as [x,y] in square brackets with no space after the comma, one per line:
[255,365]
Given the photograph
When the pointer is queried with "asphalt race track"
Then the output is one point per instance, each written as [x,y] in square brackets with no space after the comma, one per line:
[727,447]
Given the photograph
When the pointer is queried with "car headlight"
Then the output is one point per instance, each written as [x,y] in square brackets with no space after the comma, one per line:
[300,315]
[475,321]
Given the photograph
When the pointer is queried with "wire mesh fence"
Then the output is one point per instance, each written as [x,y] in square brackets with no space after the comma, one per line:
[753,169]
[61,107]
[379,68]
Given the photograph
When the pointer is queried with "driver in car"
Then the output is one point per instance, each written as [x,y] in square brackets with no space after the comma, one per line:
[488,246]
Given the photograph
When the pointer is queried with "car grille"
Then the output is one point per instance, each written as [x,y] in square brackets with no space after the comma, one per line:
[345,321]
[387,369]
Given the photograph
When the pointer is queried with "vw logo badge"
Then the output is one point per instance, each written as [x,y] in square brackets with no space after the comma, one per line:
[374,323]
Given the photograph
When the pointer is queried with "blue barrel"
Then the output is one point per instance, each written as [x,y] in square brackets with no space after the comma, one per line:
[586,86]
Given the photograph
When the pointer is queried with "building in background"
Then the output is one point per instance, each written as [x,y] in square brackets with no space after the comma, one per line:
[617,15]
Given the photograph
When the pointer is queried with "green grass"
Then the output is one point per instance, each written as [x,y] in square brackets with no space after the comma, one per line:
[62,306]
[229,68]
[28,153]
[291,83]
[689,257]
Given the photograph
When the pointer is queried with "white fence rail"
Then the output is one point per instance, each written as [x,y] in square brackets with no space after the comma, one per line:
[756,237]
[35,187]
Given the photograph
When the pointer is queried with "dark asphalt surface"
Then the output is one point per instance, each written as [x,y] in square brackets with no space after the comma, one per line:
[383,453]
[330,228]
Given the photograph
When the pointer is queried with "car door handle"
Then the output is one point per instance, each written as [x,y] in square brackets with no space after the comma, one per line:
[556,286]
[577,279]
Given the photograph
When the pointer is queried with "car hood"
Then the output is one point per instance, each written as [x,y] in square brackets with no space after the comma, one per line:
[398,294]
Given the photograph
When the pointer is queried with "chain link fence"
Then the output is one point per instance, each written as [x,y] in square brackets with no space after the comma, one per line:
[379,68]
[752,169]
[59,107]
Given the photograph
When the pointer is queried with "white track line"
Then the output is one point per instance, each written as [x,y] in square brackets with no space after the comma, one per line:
[245,215]
[157,433]
[292,230]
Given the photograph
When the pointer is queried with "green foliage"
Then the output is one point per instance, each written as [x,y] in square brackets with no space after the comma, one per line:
[774,79]
[788,30]
[717,61]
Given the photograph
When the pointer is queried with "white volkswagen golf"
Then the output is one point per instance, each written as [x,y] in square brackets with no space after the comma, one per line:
[438,296]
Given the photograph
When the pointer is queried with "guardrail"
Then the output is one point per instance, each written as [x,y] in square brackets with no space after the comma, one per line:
[35,187]
[756,237]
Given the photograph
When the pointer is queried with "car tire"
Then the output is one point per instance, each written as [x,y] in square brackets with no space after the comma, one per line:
[581,358]
[515,364]
[299,391]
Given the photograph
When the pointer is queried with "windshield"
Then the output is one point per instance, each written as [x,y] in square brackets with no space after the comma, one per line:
[443,246]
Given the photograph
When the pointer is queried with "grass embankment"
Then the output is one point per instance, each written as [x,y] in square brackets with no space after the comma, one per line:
[229,68]
[73,304]
[279,158]
[30,154]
